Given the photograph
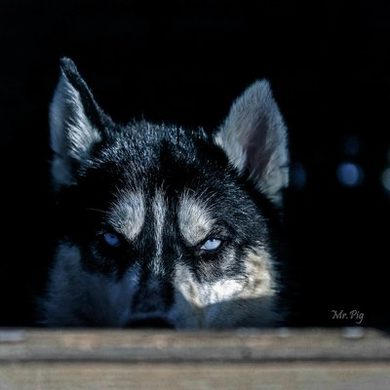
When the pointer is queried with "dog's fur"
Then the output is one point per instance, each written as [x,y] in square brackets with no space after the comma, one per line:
[143,208]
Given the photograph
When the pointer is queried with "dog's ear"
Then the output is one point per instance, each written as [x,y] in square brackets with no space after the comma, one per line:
[76,123]
[254,138]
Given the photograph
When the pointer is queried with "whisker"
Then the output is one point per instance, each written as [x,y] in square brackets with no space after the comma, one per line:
[97,210]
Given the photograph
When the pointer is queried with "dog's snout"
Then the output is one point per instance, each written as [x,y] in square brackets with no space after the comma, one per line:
[151,322]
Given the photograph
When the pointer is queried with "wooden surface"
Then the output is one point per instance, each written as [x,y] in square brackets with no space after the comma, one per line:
[242,359]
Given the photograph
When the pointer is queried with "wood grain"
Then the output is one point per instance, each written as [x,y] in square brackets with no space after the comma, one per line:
[242,359]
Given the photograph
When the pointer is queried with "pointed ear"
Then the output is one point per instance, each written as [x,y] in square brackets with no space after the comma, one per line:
[76,124]
[254,138]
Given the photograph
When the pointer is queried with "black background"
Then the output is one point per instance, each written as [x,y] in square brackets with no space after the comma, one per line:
[185,62]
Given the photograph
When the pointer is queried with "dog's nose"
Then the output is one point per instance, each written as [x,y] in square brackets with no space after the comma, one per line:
[151,322]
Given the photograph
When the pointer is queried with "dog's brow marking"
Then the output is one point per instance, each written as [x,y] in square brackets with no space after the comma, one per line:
[159,211]
[195,221]
[129,214]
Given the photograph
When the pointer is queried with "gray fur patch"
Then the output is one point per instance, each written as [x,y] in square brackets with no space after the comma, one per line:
[128,214]
[195,220]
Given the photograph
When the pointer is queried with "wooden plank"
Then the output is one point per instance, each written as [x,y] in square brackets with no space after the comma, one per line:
[226,376]
[353,358]
[280,345]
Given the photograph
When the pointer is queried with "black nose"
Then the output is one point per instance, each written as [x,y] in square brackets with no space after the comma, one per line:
[151,322]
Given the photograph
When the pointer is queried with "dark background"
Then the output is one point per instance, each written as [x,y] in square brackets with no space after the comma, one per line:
[185,62]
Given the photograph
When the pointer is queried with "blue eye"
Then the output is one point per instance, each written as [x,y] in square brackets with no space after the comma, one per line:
[111,239]
[211,245]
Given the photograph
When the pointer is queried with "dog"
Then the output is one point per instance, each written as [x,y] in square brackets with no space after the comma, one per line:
[162,226]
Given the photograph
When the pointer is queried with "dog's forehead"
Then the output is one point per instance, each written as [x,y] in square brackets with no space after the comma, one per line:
[147,143]
[164,174]
[155,152]
[191,212]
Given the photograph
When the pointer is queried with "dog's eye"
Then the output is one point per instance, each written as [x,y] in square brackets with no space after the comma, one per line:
[211,245]
[111,239]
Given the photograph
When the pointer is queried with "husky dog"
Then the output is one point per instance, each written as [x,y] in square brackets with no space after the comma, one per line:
[161,226]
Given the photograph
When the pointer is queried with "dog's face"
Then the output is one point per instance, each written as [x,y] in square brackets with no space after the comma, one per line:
[163,226]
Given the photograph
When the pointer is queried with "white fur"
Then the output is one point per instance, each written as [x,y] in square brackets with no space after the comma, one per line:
[159,213]
[195,221]
[128,214]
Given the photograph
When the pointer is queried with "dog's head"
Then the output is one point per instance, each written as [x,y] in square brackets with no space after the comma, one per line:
[164,226]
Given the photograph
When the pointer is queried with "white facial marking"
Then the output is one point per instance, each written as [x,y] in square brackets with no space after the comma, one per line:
[247,299]
[202,294]
[195,221]
[128,215]
[159,212]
